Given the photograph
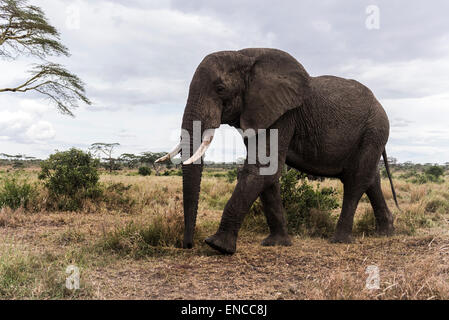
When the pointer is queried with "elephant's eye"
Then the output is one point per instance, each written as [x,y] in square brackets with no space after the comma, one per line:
[220,88]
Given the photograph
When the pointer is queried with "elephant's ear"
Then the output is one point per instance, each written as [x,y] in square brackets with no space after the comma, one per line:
[277,83]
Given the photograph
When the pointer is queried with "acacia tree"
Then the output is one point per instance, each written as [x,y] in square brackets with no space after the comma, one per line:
[130,160]
[106,149]
[150,159]
[24,30]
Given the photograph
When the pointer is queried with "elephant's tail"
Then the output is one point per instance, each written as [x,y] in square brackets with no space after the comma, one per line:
[387,167]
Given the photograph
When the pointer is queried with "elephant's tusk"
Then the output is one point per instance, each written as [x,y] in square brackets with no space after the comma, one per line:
[203,147]
[171,154]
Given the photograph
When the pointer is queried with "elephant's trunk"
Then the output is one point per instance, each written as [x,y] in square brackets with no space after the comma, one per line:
[191,181]
[201,114]
[191,173]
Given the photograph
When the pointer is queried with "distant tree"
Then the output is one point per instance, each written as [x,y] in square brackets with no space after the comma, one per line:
[130,160]
[24,30]
[106,149]
[150,158]
[7,157]
[16,160]
[392,161]
[177,162]
[407,164]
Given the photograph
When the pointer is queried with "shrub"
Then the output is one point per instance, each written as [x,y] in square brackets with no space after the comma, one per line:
[425,178]
[300,199]
[220,175]
[308,210]
[409,174]
[144,171]
[70,178]
[177,173]
[15,193]
[431,174]
[435,171]
[169,173]
[231,175]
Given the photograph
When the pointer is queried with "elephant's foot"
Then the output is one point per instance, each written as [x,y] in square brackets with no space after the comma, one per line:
[342,238]
[222,242]
[277,240]
[386,229]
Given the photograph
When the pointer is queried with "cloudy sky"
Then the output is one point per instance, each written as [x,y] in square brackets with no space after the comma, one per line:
[137,58]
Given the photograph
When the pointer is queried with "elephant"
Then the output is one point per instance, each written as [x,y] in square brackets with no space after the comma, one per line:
[326,126]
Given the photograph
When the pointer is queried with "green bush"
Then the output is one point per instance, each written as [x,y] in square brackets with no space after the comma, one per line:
[169,173]
[144,171]
[70,178]
[15,193]
[308,210]
[219,175]
[426,178]
[231,175]
[435,171]
[431,174]
[409,174]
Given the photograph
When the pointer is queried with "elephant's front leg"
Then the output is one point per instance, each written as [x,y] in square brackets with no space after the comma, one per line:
[274,212]
[249,187]
[252,181]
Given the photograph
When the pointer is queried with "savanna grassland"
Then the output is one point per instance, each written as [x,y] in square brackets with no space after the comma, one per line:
[126,244]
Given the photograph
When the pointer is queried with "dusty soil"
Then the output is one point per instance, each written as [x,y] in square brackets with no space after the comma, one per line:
[414,267]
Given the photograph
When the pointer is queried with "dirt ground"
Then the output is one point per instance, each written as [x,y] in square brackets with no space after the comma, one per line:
[412,267]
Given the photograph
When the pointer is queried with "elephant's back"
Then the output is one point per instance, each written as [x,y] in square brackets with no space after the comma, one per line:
[343,93]
[338,116]
[352,102]
[346,100]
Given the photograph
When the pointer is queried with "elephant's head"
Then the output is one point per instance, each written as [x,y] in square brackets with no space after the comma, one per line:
[247,89]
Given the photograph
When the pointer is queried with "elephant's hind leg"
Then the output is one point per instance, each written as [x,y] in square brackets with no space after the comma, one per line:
[351,197]
[356,182]
[274,212]
[384,218]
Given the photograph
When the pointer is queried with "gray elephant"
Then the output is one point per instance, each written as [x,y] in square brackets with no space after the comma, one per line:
[326,126]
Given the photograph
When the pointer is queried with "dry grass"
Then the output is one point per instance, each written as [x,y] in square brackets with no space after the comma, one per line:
[131,250]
